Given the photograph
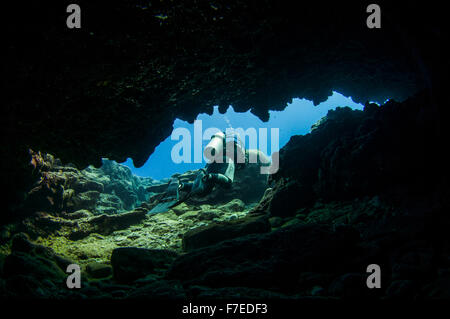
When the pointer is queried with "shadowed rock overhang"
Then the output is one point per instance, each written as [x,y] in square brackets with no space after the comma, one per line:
[114,87]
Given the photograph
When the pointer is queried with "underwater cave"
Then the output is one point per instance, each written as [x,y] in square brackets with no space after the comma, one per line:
[116,139]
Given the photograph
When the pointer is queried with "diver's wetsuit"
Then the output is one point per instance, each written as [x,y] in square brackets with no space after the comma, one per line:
[222,172]
[214,173]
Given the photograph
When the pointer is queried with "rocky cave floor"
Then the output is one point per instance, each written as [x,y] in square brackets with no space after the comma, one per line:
[156,231]
[362,188]
[224,251]
[148,255]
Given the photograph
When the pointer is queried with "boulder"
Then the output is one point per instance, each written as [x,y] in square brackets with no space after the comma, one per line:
[276,221]
[109,204]
[353,153]
[274,259]
[131,263]
[82,213]
[63,189]
[190,215]
[86,200]
[106,224]
[124,191]
[19,263]
[46,195]
[98,270]
[21,243]
[235,205]
[217,232]
[287,197]
[33,270]
[181,209]
[85,185]
[208,214]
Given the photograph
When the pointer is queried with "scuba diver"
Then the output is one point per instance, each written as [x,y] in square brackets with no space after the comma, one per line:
[226,154]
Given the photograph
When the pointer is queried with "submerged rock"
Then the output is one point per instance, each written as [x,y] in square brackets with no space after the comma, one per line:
[63,190]
[21,243]
[286,198]
[86,200]
[235,205]
[274,259]
[82,213]
[33,270]
[217,232]
[353,153]
[19,263]
[276,221]
[106,224]
[98,270]
[130,263]
[311,234]
[181,209]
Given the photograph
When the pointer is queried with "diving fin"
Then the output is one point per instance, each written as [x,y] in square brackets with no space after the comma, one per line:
[162,207]
[170,198]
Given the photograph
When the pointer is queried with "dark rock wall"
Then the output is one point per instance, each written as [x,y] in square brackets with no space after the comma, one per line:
[362,187]
[113,88]
[311,236]
[393,149]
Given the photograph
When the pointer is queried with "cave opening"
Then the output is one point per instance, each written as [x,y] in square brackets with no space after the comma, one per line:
[296,119]
[127,187]
[116,188]
[115,199]
[362,189]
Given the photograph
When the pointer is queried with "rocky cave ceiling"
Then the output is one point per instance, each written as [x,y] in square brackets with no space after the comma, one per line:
[114,87]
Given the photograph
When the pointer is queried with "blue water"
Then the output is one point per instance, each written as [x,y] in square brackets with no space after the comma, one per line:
[296,119]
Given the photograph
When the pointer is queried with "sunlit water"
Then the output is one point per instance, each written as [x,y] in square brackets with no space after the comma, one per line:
[296,119]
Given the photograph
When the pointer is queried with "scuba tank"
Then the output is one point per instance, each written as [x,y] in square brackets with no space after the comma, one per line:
[221,145]
[235,148]
[213,152]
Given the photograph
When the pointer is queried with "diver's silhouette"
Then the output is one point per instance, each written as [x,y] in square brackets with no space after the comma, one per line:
[226,154]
